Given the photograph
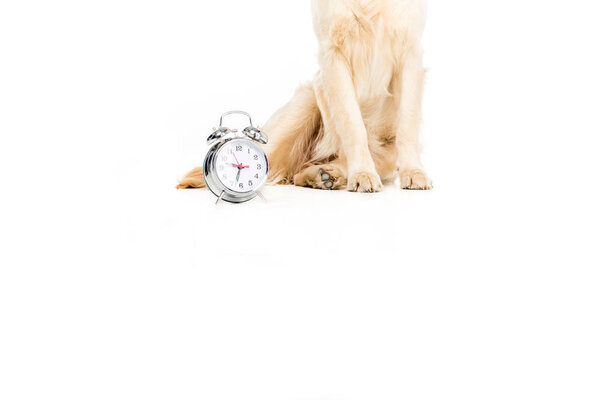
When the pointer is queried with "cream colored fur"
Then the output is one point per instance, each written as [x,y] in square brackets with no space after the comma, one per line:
[359,119]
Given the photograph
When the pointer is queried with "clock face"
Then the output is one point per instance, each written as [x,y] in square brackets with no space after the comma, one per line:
[241,166]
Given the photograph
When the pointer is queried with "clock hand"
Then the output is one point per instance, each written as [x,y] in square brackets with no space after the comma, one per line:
[237,178]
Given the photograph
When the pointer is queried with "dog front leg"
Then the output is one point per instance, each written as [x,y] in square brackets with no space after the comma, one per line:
[408,93]
[341,113]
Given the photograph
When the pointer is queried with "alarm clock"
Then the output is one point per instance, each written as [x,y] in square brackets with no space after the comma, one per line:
[236,167]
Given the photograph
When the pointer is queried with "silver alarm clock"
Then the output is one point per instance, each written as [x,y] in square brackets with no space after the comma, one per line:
[236,167]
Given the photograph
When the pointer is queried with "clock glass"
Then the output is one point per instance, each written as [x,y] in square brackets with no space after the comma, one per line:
[241,166]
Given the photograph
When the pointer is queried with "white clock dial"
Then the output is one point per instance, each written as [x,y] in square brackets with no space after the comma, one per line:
[241,166]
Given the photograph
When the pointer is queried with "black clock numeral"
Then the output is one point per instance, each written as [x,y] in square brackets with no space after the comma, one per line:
[248,150]
[256,176]
[256,156]
[241,185]
[250,183]
[258,166]
[238,148]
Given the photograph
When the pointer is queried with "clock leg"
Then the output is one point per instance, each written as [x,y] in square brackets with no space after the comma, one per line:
[220,197]
[259,193]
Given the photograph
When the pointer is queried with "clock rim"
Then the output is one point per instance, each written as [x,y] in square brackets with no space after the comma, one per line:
[214,183]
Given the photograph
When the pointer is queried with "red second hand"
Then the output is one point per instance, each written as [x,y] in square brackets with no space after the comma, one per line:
[236,160]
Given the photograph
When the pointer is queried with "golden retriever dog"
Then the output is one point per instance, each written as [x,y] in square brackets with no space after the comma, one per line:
[356,125]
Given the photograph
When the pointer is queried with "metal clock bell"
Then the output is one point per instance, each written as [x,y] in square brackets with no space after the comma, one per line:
[236,167]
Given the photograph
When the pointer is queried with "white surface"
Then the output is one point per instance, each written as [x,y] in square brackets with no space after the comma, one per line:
[114,285]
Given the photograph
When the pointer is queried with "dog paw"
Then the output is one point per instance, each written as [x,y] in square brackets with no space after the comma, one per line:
[365,182]
[326,177]
[328,181]
[414,179]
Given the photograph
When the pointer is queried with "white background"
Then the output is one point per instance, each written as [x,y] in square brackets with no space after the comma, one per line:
[115,286]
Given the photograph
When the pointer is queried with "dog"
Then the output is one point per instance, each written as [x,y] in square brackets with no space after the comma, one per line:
[356,125]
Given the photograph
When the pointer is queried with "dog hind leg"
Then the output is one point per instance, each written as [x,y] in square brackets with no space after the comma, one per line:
[293,132]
